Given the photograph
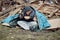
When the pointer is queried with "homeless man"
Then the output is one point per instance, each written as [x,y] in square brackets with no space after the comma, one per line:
[29,16]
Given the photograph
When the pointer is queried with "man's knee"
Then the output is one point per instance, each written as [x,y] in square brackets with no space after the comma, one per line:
[35,23]
[19,22]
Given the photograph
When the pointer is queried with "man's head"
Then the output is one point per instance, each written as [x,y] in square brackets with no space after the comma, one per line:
[28,12]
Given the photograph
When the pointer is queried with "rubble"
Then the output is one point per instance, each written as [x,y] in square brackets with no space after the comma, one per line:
[0,8]
[48,10]
[24,1]
[47,7]
[55,23]
[58,13]
[9,11]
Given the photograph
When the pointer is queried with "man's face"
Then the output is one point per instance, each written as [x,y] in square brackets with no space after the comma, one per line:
[28,12]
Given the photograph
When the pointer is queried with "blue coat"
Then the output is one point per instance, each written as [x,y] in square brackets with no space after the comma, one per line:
[10,18]
[42,20]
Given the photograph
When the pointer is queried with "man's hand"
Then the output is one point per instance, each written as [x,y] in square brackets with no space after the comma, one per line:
[20,16]
[27,17]
[34,19]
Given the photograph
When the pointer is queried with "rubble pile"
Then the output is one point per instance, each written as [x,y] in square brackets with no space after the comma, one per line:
[6,6]
[50,8]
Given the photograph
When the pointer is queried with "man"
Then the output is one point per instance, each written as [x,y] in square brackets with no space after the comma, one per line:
[32,19]
[28,14]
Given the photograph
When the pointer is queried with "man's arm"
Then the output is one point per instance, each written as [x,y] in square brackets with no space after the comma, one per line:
[35,19]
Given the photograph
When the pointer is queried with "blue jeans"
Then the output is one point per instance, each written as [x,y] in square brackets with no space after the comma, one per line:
[26,25]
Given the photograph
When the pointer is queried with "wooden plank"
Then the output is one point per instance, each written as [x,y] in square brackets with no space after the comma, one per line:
[53,13]
[55,23]
[2,17]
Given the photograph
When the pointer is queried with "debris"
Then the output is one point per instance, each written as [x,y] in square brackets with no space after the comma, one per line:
[57,13]
[6,11]
[55,23]
[49,2]
[0,9]
[48,10]
[53,13]
[35,2]
[3,8]
[12,12]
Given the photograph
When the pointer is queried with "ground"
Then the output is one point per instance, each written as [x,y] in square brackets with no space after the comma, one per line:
[7,33]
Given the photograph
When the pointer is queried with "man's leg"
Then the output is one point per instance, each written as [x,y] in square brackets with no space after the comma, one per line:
[33,26]
[23,24]
[32,23]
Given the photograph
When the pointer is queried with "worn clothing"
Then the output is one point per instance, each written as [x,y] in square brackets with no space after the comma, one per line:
[27,24]
[11,20]
[42,20]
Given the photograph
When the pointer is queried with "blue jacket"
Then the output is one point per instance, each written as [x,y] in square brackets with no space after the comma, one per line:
[42,20]
[10,18]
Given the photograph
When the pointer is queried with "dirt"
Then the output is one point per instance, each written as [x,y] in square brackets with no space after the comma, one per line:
[7,33]
[17,33]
